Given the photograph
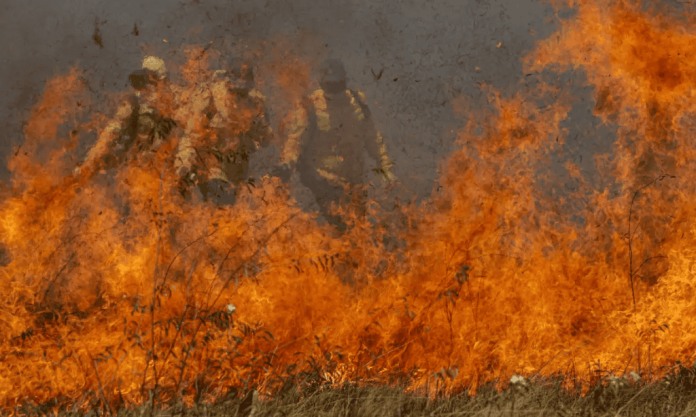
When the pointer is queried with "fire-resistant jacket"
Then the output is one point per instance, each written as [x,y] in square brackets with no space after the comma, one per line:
[137,124]
[222,125]
[137,121]
[327,135]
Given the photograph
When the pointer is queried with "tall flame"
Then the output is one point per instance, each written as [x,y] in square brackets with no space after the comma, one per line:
[118,288]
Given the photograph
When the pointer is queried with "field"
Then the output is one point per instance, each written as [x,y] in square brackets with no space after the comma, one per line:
[616,397]
[120,293]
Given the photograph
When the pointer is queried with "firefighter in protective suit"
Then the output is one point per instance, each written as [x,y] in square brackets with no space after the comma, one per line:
[327,134]
[137,126]
[224,123]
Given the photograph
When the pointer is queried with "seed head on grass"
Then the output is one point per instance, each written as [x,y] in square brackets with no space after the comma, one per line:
[617,383]
[519,384]
[635,376]
[518,380]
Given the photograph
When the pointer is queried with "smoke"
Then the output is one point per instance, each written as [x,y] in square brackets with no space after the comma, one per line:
[426,54]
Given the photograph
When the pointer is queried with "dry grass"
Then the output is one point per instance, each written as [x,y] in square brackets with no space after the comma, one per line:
[675,396]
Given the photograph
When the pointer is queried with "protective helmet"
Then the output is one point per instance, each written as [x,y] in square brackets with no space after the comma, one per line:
[241,77]
[333,76]
[242,74]
[220,75]
[246,73]
[155,65]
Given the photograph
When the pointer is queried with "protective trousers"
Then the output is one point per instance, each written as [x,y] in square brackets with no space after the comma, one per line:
[327,193]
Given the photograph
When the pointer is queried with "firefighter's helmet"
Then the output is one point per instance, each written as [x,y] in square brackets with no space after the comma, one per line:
[242,75]
[333,76]
[239,68]
[155,65]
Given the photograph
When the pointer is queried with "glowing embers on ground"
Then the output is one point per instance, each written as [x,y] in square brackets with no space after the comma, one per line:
[492,278]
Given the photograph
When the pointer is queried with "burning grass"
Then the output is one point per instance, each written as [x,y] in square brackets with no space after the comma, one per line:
[123,293]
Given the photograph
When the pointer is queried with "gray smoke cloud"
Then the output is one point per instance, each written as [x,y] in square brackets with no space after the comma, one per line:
[411,58]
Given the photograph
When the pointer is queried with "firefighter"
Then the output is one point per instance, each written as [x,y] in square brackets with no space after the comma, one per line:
[229,126]
[137,125]
[327,134]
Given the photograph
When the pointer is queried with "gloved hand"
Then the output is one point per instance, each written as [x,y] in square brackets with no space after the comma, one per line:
[186,182]
[83,171]
[283,172]
[388,177]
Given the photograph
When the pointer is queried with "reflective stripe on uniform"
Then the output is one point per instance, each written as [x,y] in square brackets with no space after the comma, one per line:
[356,107]
[332,162]
[331,177]
[321,110]
[385,162]
[362,96]
[297,122]
[215,173]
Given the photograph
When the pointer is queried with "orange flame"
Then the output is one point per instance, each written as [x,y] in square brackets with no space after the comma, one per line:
[120,290]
